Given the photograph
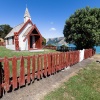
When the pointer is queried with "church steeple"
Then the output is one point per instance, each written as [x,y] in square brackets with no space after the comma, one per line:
[27,15]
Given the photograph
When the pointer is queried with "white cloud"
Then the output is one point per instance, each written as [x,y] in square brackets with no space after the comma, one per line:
[52,29]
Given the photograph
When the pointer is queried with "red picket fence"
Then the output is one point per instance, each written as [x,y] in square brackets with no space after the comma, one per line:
[88,53]
[50,47]
[17,71]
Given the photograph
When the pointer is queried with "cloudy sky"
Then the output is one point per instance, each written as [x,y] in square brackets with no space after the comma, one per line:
[48,15]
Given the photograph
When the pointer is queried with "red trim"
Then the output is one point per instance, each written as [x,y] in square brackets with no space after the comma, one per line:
[34,27]
[16,41]
[28,34]
[37,30]
[29,21]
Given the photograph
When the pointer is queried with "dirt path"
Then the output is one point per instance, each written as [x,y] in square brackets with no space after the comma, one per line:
[38,89]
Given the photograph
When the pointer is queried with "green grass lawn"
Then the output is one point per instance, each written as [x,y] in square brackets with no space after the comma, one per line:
[83,86]
[10,53]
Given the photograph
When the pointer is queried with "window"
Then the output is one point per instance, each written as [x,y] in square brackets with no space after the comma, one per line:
[7,41]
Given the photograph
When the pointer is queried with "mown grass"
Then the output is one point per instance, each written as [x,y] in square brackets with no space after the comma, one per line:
[10,53]
[83,86]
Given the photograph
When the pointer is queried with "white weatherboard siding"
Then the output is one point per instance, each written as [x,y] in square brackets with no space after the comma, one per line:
[10,45]
[23,45]
[81,56]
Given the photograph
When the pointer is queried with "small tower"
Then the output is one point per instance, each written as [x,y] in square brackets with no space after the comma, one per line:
[26,15]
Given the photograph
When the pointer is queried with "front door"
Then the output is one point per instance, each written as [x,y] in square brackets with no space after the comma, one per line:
[32,42]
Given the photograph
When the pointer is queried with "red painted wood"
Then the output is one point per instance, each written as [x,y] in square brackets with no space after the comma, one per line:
[6,74]
[16,41]
[56,65]
[52,64]
[60,61]
[1,79]
[71,58]
[39,69]
[28,69]
[64,60]
[53,69]
[14,72]
[45,65]
[22,72]
[67,59]
[49,64]
[33,67]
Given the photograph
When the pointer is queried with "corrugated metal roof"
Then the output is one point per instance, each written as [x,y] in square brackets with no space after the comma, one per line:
[28,30]
[15,29]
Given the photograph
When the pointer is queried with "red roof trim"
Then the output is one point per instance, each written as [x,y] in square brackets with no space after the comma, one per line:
[28,34]
[34,27]
[37,30]
[29,21]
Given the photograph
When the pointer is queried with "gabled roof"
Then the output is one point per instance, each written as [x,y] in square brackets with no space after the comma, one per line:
[15,29]
[18,28]
[28,30]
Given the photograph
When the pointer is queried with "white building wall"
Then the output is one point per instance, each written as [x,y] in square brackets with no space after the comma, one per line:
[10,45]
[23,45]
[81,56]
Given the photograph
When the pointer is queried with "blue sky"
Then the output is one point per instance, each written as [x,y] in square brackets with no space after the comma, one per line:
[48,15]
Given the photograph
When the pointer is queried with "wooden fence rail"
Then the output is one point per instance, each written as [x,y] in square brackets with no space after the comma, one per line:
[17,71]
[88,53]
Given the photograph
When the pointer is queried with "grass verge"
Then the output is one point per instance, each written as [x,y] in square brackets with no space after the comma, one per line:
[83,86]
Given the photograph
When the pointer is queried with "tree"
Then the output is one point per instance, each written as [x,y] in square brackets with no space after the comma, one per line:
[83,28]
[4,30]
[43,41]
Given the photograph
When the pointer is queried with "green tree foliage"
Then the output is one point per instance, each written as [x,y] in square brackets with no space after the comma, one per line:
[83,28]
[43,41]
[4,30]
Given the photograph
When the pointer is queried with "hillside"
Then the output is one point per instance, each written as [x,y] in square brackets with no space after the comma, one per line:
[56,41]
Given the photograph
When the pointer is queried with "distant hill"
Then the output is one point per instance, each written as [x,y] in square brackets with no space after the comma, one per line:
[56,41]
